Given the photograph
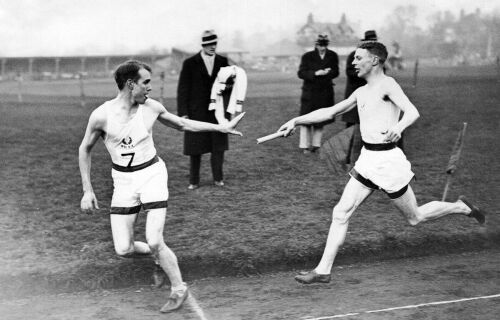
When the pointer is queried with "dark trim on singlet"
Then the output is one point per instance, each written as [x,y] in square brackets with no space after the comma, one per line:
[379,146]
[141,166]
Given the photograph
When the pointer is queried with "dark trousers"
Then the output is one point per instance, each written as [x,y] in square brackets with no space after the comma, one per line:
[216,162]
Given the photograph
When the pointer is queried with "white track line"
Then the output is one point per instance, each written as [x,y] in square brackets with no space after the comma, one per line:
[191,300]
[404,307]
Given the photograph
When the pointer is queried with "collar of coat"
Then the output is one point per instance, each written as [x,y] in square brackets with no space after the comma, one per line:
[217,62]
[199,58]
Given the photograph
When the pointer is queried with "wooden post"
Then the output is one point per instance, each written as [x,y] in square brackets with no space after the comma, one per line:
[162,88]
[31,61]
[453,162]
[106,65]
[19,80]
[82,89]
[415,74]
[498,68]
[4,63]
[57,67]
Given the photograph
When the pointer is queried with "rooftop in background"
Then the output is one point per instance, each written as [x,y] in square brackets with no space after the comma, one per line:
[341,34]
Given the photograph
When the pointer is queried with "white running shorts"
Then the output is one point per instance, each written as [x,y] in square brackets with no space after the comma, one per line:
[147,188]
[388,169]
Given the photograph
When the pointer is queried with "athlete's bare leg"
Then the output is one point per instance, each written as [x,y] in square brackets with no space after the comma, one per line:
[354,194]
[166,257]
[407,205]
[122,229]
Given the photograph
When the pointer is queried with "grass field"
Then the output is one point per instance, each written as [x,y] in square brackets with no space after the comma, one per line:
[275,210]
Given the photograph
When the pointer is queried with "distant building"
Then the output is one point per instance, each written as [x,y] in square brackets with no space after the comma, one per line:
[285,54]
[282,56]
[281,49]
[343,37]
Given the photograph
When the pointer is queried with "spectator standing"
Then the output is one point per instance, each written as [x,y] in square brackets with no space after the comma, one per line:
[193,98]
[317,68]
[396,57]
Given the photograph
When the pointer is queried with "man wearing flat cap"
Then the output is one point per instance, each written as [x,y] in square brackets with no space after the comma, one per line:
[317,68]
[193,97]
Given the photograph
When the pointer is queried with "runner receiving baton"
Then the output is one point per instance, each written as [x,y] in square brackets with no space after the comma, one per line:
[140,177]
[381,165]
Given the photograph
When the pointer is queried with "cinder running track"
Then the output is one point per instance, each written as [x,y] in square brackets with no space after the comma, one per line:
[458,286]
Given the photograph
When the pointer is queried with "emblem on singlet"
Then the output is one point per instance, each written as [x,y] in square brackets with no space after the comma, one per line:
[126,143]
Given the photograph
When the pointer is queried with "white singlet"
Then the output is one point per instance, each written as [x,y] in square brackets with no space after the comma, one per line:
[130,143]
[377,114]
[389,169]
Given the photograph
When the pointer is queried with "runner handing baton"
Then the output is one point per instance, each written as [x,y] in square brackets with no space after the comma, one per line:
[381,165]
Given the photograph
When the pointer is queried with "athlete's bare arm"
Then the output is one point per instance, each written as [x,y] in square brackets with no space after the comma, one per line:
[92,133]
[320,115]
[184,124]
[399,98]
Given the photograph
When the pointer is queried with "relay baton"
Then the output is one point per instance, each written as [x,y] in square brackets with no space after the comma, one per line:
[271,136]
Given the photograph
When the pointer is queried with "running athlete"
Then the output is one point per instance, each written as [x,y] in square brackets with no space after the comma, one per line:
[139,175]
[381,165]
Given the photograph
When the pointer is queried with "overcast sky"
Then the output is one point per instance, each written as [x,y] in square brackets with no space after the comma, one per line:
[69,27]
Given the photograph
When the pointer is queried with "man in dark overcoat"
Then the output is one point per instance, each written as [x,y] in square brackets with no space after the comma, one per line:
[193,97]
[317,68]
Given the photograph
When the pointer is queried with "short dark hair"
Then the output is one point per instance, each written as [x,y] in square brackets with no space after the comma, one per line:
[375,48]
[129,70]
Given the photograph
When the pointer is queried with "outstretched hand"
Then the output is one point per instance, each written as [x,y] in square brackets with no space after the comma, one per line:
[89,203]
[288,128]
[230,127]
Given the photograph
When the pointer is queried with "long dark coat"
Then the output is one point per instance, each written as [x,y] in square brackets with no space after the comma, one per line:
[193,98]
[317,91]
[352,83]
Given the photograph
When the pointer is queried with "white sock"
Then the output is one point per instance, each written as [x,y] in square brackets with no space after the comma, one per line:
[181,287]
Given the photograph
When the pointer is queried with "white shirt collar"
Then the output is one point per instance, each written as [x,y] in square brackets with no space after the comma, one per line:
[206,56]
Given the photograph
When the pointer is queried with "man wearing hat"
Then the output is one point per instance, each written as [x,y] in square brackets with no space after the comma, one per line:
[351,117]
[317,68]
[193,97]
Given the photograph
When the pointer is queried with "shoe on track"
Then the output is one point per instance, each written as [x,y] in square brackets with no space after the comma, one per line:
[219,183]
[312,277]
[175,301]
[475,212]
